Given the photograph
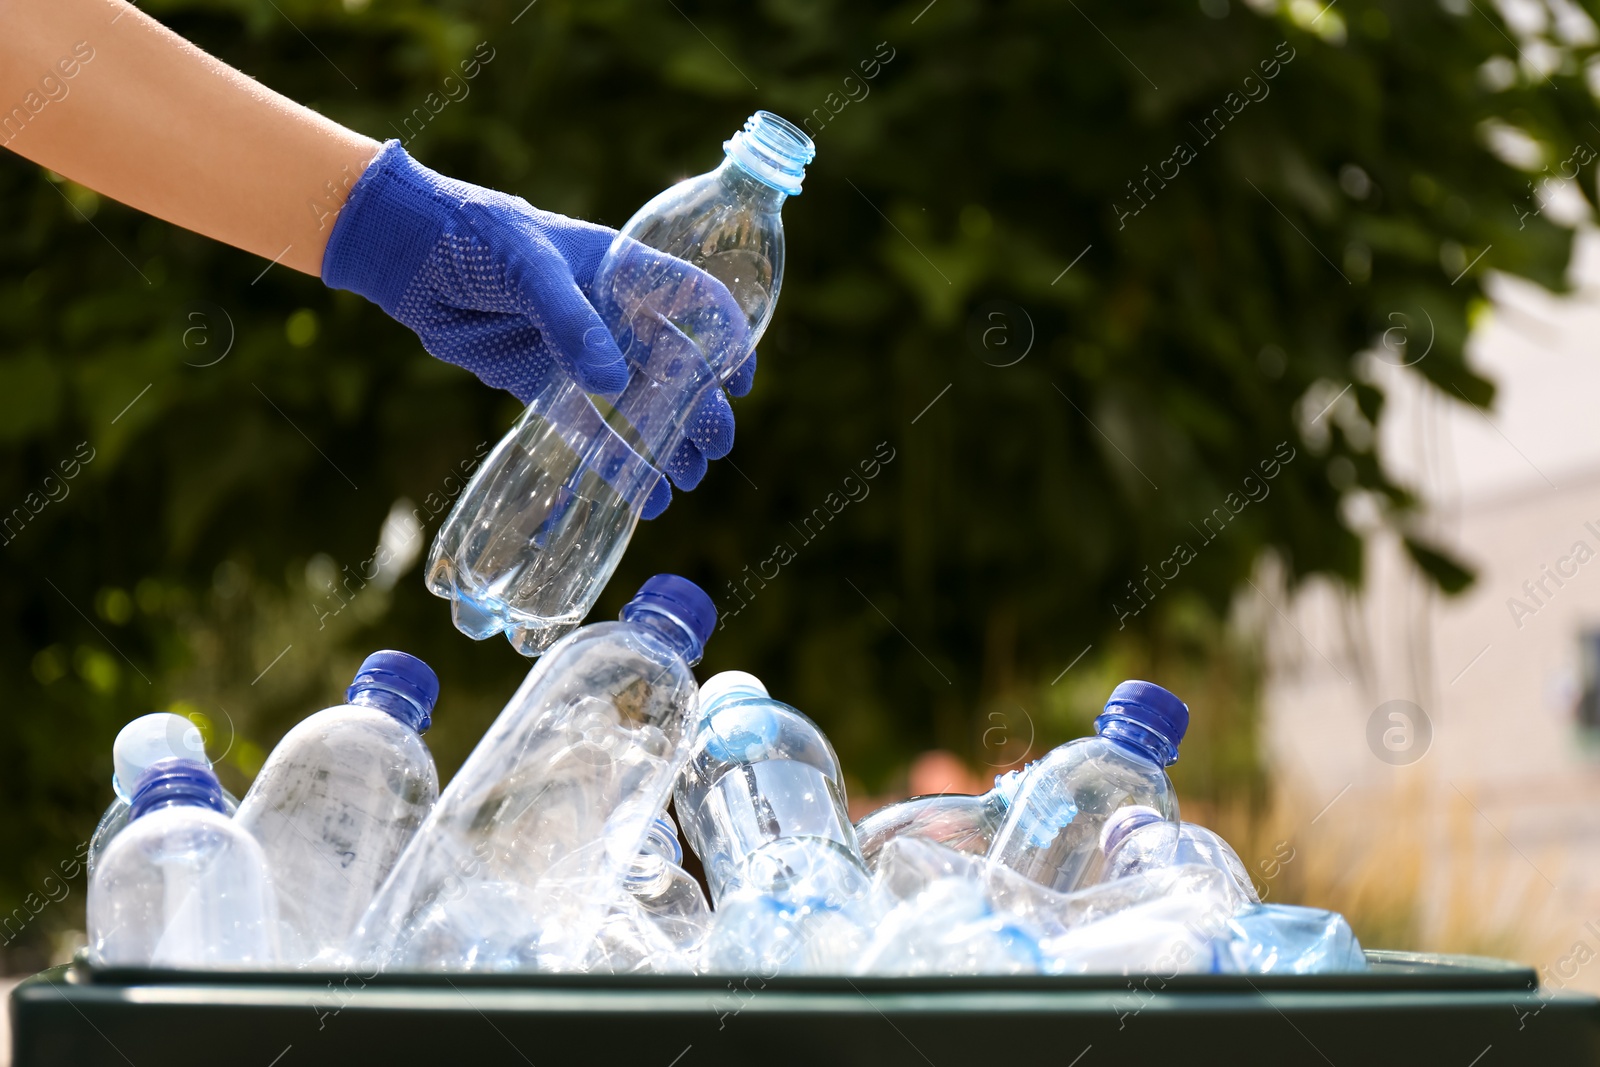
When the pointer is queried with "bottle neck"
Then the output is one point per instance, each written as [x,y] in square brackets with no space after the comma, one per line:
[668,629]
[400,707]
[748,187]
[1137,738]
[185,785]
[652,867]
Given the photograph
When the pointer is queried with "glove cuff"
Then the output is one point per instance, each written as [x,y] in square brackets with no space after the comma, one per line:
[388,227]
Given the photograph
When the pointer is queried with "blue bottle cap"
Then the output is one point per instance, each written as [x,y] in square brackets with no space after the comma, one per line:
[681,601]
[403,674]
[177,781]
[1146,716]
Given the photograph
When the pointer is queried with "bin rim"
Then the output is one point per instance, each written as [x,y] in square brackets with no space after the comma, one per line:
[1391,970]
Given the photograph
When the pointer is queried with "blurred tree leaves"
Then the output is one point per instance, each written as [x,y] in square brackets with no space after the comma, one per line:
[1067,389]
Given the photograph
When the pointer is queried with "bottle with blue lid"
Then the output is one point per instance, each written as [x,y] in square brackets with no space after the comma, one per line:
[530,844]
[338,799]
[182,885]
[139,744]
[763,805]
[1051,832]
[687,288]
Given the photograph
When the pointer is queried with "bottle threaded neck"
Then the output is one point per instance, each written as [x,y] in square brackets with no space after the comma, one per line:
[1138,737]
[180,782]
[774,150]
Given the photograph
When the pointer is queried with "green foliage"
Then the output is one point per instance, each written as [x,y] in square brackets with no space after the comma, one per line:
[1067,389]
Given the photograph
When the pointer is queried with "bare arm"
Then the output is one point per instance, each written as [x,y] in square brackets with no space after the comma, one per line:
[102,93]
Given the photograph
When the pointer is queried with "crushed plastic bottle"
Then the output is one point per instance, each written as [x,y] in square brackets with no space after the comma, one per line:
[339,798]
[143,741]
[1138,840]
[1288,939]
[762,804]
[687,289]
[530,844]
[1051,832]
[951,928]
[661,918]
[1165,936]
[910,866]
[956,820]
[182,885]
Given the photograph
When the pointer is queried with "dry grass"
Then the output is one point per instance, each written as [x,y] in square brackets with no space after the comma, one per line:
[1416,868]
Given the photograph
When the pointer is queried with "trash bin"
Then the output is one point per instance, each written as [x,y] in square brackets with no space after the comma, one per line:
[1409,1009]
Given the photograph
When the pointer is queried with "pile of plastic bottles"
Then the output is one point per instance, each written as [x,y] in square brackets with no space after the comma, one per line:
[552,849]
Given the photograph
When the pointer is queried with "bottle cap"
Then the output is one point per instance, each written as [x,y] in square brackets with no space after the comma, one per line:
[147,739]
[773,149]
[177,781]
[1151,707]
[680,600]
[1124,821]
[403,674]
[729,683]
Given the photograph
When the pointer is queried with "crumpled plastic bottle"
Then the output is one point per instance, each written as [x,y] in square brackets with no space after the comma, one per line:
[529,845]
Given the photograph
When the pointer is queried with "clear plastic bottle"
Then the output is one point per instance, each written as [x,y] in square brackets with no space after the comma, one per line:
[142,742]
[529,845]
[1138,840]
[339,798]
[960,821]
[662,916]
[763,806]
[542,525]
[1287,939]
[183,885]
[1052,832]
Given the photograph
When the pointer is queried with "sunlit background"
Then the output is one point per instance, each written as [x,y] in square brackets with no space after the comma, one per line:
[1245,347]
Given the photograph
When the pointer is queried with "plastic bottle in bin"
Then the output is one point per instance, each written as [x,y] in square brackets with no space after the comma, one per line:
[762,804]
[1051,832]
[956,820]
[659,921]
[1139,840]
[339,798]
[530,844]
[183,885]
[162,735]
[687,289]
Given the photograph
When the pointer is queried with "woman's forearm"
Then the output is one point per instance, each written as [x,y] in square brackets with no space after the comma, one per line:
[100,92]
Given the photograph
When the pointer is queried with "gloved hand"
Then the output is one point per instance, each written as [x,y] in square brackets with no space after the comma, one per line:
[492,284]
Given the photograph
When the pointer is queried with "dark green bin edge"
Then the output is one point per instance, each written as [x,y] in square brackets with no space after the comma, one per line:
[1411,1008]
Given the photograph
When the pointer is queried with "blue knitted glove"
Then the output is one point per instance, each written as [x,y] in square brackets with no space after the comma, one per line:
[492,284]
